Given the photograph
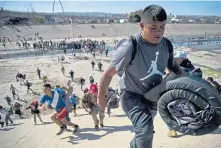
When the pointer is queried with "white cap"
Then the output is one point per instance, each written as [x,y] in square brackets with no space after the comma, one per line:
[180,54]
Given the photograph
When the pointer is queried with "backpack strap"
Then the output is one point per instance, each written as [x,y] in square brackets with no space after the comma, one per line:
[134,50]
[170,46]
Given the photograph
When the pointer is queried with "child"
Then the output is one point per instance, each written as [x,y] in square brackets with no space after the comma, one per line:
[73,100]
[34,111]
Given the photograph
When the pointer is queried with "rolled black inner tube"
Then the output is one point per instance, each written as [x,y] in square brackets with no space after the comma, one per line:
[182,94]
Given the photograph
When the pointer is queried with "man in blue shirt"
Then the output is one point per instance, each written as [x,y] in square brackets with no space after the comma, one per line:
[55,100]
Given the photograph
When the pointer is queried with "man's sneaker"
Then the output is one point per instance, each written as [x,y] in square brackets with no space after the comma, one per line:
[102,125]
[172,134]
[96,127]
[62,129]
[75,128]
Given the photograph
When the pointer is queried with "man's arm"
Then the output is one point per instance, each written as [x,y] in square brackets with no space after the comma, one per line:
[120,60]
[175,67]
[172,65]
[104,83]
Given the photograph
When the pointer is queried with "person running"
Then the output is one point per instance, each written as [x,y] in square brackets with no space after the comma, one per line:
[17,108]
[62,70]
[62,58]
[72,75]
[150,46]
[7,113]
[8,100]
[92,64]
[73,100]
[89,103]
[35,111]
[38,73]
[28,84]
[100,66]
[106,51]
[59,117]
[112,100]
[13,89]
[82,82]
[2,122]
[91,79]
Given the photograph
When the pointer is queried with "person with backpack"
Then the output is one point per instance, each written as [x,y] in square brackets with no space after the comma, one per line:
[73,100]
[112,100]
[140,62]
[91,79]
[54,97]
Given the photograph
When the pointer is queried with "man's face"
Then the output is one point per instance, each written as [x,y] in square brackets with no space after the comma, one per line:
[47,90]
[153,31]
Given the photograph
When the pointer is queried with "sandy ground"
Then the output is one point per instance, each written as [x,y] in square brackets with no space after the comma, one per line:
[49,32]
[118,132]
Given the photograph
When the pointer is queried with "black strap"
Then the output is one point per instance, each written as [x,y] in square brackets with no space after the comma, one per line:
[134,50]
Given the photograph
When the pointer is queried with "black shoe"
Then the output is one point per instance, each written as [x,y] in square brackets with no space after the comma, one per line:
[96,127]
[75,129]
[62,129]
[101,125]
[65,126]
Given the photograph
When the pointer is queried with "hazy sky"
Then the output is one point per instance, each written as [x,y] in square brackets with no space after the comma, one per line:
[175,7]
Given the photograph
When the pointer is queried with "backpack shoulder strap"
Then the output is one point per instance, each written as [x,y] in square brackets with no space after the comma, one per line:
[134,50]
[170,46]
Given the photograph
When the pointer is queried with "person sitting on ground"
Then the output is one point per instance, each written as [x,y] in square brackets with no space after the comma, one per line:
[13,89]
[35,111]
[214,84]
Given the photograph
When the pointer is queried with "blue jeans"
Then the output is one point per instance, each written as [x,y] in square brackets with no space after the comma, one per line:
[137,109]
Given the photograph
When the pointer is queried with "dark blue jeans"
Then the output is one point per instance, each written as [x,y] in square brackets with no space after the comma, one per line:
[137,109]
